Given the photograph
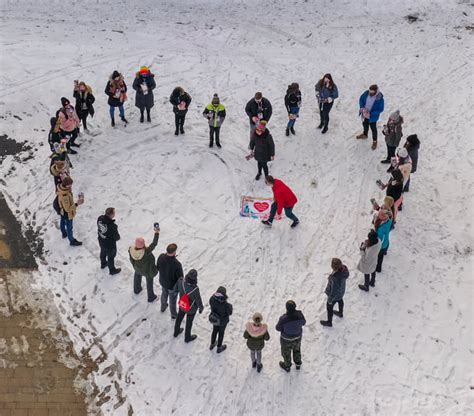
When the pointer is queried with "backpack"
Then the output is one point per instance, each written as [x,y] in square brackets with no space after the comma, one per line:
[184,302]
[56,206]
[214,319]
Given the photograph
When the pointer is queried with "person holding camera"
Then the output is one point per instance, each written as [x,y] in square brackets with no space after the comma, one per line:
[326,92]
[66,207]
[369,251]
[84,101]
[335,290]
[108,236]
[219,318]
[171,271]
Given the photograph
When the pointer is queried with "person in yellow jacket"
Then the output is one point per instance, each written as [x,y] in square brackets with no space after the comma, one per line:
[67,209]
[215,114]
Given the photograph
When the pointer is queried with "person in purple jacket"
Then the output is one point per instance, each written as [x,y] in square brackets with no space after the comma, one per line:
[291,327]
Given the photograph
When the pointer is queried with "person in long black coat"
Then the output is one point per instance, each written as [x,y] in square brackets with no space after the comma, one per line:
[181,101]
[412,145]
[84,102]
[144,84]
[220,309]
[263,148]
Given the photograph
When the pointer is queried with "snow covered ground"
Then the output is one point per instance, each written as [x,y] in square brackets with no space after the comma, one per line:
[406,348]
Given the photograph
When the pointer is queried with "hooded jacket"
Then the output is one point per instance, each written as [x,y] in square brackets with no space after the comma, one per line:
[393,131]
[116,90]
[66,202]
[291,325]
[177,97]
[368,258]
[376,109]
[383,231]
[283,195]
[190,287]
[68,119]
[256,335]
[170,270]
[292,99]
[220,306]
[262,146]
[336,287]
[143,260]
[263,110]
[84,101]
[215,114]
[107,232]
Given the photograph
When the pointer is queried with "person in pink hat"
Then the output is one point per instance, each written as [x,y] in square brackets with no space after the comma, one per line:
[144,264]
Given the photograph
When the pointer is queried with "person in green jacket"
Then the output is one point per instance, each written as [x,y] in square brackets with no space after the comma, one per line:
[256,333]
[144,264]
[215,114]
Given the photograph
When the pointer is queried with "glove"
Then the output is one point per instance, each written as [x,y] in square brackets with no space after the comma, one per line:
[329,100]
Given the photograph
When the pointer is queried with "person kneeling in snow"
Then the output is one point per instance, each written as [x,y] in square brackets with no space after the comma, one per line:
[143,262]
[256,333]
[335,289]
[284,198]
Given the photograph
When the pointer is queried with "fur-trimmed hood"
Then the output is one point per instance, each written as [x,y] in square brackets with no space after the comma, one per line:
[136,253]
[256,331]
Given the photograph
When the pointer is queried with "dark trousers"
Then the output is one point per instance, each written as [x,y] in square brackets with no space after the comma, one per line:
[218,332]
[214,133]
[72,136]
[83,114]
[369,279]
[264,166]
[142,112]
[406,188]
[373,127]
[172,294]
[66,227]
[288,212]
[382,253]
[137,286]
[107,256]
[330,308]
[189,324]
[289,347]
[179,121]
[391,151]
[324,109]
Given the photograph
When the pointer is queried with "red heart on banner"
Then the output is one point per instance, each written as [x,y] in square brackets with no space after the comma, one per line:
[261,206]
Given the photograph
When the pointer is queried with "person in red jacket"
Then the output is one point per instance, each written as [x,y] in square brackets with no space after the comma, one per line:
[283,199]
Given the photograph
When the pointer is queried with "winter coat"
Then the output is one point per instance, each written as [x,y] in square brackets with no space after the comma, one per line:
[256,335]
[405,166]
[292,99]
[336,287]
[215,114]
[383,232]
[368,258]
[291,325]
[376,109]
[143,260]
[220,306]
[53,135]
[58,174]
[170,270]
[84,101]
[263,146]
[283,196]
[144,86]
[68,119]
[393,132]
[263,110]
[192,290]
[66,202]
[395,190]
[176,98]
[117,92]
[323,92]
[107,232]
[413,153]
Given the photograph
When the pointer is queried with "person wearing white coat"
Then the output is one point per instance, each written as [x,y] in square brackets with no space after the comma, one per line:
[369,251]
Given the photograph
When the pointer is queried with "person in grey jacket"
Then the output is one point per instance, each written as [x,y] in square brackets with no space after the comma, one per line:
[393,134]
[335,289]
[369,251]
[188,286]
[412,145]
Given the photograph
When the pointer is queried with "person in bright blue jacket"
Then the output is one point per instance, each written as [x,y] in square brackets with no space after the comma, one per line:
[383,226]
[371,105]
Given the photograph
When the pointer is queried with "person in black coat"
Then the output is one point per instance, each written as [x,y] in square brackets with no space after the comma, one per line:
[335,290]
[116,90]
[263,148]
[170,270]
[292,104]
[84,102]
[188,286]
[291,327]
[181,101]
[144,84]
[219,317]
[257,109]
[108,236]
[53,135]
[412,145]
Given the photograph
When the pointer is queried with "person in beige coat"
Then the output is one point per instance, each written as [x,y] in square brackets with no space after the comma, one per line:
[67,209]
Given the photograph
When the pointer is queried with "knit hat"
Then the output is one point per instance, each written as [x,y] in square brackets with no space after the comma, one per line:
[139,243]
[413,139]
[64,101]
[191,276]
[395,115]
[257,317]
[215,100]
[290,306]
[115,74]
[222,290]
[144,70]
[402,152]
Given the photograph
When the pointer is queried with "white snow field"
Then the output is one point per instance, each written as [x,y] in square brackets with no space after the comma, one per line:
[406,348]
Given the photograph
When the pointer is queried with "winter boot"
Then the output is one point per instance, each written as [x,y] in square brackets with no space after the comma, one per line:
[326,323]
[211,143]
[259,367]
[75,243]
[218,144]
[374,145]
[191,339]
[211,347]
[142,118]
[124,120]
[385,161]
[372,282]
[254,364]
[115,271]
[282,365]
[72,152]
[340,314]
[267,223]
[364,288]
[176,132]
[181,130]
[287,132]
[320,125]
[258,176]
[294,224]
[292,129]
[325,129]
[112,122]
[148,118]
[152,299]
[65,235]
[179,332]
[361,136]
[298,366]
[221,348]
